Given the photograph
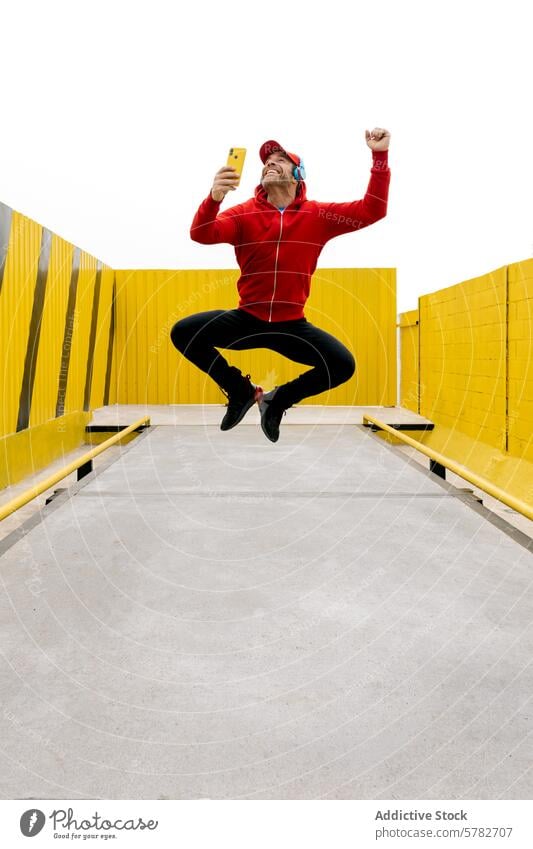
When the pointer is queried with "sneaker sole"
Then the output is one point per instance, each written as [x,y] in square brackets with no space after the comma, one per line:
[262,409]
[258,394]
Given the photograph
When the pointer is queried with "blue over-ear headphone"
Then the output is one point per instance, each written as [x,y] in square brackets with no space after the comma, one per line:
[298,172]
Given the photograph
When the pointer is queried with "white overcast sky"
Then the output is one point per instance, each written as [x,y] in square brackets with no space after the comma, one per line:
[115,116]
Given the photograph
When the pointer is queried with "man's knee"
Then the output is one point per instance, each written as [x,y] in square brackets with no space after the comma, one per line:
[181,334]
[344,367]
[349,365]
[338,369]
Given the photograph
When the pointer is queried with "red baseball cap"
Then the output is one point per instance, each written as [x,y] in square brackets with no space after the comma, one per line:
[272,146]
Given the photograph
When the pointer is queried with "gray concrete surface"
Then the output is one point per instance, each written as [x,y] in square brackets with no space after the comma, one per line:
[216,616]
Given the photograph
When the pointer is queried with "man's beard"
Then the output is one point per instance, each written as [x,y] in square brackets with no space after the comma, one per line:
[281,181]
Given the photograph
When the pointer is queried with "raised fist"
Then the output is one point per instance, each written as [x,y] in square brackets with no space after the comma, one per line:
[378,139]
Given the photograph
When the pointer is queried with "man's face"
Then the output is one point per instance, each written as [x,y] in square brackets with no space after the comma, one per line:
[277,170]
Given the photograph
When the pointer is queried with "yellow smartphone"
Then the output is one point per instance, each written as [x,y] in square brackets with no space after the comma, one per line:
[236,157]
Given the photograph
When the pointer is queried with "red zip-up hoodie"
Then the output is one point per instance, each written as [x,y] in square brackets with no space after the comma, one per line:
[277,252]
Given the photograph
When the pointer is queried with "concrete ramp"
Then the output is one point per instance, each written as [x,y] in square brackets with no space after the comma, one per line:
[216,616]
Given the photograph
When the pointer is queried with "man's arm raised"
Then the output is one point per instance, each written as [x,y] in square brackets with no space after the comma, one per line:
[339,218]
[208,226]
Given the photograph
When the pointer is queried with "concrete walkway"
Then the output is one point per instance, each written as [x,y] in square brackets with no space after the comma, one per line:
[216,616]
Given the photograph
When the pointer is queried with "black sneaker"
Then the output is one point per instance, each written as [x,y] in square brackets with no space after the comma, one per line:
[271,415]
[240,399]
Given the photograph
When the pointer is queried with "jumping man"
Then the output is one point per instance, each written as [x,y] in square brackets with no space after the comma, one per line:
[278,236]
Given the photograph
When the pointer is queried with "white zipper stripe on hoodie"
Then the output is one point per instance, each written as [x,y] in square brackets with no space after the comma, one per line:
[281,211]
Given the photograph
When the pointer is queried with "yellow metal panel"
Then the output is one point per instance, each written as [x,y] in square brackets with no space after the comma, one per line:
[46,435]
[121,334]
[462,335]
[358,306]
[102,338]
[409,360]
[33,448]
[520,383]
[80,336]
[16,303]
[112,399]
[43,406]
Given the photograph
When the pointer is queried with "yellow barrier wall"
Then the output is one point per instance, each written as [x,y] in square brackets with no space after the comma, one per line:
[520,363]
[476,374]
[462,356]
[358,306]
[409,342]
[55,326]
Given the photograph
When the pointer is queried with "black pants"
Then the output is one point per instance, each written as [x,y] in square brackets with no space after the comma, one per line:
[198,336]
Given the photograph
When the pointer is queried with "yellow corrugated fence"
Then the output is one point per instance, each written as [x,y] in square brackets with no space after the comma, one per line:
[57,345]
[357,305]
[475,376]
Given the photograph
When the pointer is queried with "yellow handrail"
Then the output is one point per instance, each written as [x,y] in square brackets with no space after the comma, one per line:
[40,487]
[482,483]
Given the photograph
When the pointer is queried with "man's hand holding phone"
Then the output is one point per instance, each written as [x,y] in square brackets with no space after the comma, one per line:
[226,179]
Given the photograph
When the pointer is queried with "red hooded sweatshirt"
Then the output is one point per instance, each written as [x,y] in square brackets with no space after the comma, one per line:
[277,252]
